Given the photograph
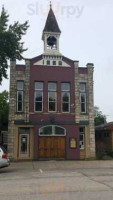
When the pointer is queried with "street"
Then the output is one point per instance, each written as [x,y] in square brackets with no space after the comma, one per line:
[57,180]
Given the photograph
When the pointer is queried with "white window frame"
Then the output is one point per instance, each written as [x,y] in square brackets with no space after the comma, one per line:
[68,91]
[35,90]
[55,91]
[53,131]
[49,62]
[18,91]
[83,134]
[54,63]
[83,93]
[60,62]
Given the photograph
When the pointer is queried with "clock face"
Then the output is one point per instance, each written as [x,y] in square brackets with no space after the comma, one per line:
[51,41]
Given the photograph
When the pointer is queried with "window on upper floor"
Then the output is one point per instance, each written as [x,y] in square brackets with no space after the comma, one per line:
[82,137]
[54,62]
[48,62]
[65,89]
[52,97]
[20,89]
[38,97]
[83,97]
[60,63]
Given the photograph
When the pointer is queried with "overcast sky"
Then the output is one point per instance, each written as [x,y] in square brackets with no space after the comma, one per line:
[87,36]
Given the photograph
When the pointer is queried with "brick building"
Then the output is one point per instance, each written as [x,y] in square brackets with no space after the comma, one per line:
[51,112]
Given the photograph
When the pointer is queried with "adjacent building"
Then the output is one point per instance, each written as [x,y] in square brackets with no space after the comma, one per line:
[104,138]
[51,111]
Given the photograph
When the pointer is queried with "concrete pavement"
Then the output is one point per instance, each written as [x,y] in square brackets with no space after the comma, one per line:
[57,180]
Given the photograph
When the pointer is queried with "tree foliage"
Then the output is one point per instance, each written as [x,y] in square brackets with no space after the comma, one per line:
[99,117]
[3,109]
[11,46]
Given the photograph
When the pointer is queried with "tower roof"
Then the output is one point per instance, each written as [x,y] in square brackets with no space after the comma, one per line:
[51,23]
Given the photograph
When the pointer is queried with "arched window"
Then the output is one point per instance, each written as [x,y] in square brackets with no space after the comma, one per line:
[51,42]
[52,131]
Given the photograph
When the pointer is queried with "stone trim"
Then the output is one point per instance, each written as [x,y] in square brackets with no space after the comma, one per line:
[14,76]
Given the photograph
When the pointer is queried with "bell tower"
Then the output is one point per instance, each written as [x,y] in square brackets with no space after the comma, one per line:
[51,35]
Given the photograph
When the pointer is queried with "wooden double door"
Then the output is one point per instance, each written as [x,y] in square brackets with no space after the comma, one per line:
[51,147]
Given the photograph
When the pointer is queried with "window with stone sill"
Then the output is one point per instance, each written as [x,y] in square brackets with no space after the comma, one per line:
[52,97]
[65,89]
[38,97]
[20,89]
[83,97]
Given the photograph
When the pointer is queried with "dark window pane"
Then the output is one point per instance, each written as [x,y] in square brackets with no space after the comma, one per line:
[81,137]
[65,97]
[19,106]
[59,131]
[20,96]
[46,130]
[48,62]
[60,62]
[83,107]
[65,107]
[52,86]
[23,144]
[52,96]
[65,86]
[81,129]
[38,85]
[38,106]
[38,96]
[52,106]
[54,62]
[83,98]
[19,85]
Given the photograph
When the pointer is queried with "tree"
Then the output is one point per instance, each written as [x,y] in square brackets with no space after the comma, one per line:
[99,117]
[3,109]
[11,46]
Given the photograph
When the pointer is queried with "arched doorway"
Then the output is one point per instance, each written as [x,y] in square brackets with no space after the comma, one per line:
[52,142]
